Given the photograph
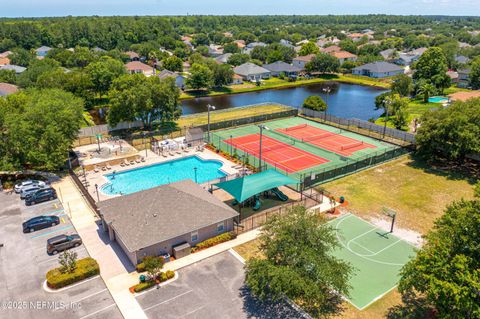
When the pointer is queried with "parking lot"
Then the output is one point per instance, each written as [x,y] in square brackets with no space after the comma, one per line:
[212,288]
[24,263]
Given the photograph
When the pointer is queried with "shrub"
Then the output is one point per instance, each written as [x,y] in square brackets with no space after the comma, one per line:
[140,267]
[214,241]
[163,277]
[86,268]
[143,285]
[170,274]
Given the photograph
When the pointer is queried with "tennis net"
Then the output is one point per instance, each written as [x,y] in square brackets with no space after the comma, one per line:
[296,127]
[352,145]
[320,136]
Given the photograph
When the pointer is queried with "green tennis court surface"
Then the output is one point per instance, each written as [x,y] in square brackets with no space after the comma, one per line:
[376,255]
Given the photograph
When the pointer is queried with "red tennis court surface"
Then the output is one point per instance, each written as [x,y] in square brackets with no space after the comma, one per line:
[331,141]
[284,156]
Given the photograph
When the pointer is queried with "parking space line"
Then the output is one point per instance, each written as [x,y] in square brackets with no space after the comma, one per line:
[91,295]
[168,300]
[55,211]
[95,312]
[193,311]
[51,232]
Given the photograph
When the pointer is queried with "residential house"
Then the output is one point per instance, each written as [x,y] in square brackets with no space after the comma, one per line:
[252,72]
[286,43]
[389,54]
[227,34]
[215,50]
[344,56]
[7,89]
[18,69]
[139,67]
[98,50]
[237,79]
[378,70]
[240,43]
[4,61]
[331,49]
[355,37]
[179,79]
[463,45]
[188,41]
[453,76]
[42,51]
[279,67]
[461,59]
[301,61]
[249,47]
[172,215]
[5,54]
[464,78]
[133,55]
[302,42]
[222,59]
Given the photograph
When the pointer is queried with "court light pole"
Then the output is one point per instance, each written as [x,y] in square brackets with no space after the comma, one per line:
[261,127]
[209,107]
[327,90]
[388,102]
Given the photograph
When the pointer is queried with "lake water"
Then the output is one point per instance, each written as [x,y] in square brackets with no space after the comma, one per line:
[344,100]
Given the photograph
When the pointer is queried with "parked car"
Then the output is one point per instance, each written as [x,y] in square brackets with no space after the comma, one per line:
[40,222]
[62,242]
[41,195]
[27,183]
[29,190]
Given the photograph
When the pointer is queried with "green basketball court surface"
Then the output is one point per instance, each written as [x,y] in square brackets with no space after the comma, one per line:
[376,256]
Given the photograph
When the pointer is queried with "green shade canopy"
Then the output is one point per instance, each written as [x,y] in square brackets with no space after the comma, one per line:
[245,187]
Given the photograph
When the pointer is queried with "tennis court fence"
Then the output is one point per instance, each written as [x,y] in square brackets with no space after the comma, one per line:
[315,176]
[362,127]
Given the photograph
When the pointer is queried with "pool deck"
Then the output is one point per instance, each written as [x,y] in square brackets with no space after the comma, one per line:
[150,159]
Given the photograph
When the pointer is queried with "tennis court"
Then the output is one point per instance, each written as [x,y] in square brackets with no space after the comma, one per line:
[276,153]
[377,257]
[332,141]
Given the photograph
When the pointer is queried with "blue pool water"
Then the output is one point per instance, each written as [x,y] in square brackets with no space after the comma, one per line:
[142,178]
[437,99]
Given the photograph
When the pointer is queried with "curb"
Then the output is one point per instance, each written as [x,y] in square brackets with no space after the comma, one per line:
[50,290]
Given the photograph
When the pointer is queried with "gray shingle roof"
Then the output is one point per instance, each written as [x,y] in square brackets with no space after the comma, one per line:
[223,58]
[43,48]
[249,69]
[379,67]
[16,68]
[281,66]
[152,216]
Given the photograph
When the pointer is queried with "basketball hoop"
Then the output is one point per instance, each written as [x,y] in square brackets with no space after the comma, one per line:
[390,213]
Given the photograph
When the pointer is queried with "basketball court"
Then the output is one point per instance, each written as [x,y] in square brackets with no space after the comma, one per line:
[276,153]
[376,255]
[329,140]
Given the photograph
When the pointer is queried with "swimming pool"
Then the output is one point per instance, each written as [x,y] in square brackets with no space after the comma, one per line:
[438,99]
[138,179]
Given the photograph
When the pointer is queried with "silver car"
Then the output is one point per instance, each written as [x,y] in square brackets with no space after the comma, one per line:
[29,190]
[28,183]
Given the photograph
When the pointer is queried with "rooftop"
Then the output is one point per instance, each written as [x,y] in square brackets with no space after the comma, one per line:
[379,67]
[249,68]
[305,58]
[137,65]
[330,49]
[6,89]
[132,55]
[343,55]
[148,217]
[281,66]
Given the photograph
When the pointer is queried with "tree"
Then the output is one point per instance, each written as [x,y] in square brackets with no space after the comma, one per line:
[476,190]
[445,270]
[324,63]
[474,75]
[299,263]
[222,75]
[153,266]
[397,110]
[37,128]
[8,76]
[137,97]
[450,133]
[348,45]
[238,59]
[309,48]
[67,261]
[104,72]
[173,63]
[432,66]
[403,85]
[201,77]
[21,57]
[231,48]
[426,89]
[36,70]
[315,102]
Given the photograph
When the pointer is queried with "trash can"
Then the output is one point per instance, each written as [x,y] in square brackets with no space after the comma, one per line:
[342,199]
[142,278]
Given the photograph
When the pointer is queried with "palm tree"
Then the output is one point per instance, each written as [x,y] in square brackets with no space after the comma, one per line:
[427,90]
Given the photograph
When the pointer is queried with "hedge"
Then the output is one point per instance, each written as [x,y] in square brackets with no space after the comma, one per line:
[164,276]
[143,285]
[214,241]
[140,267]
[86,268]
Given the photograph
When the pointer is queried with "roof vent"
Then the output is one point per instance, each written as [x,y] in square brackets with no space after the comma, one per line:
[155,215]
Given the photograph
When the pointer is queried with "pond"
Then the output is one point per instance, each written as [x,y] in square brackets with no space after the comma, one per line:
[344,100]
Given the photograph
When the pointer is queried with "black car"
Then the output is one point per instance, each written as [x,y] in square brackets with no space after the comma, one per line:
[40,222]
[41,195]
[62,242]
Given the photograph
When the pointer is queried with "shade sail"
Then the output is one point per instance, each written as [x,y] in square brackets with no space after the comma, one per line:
[245,187]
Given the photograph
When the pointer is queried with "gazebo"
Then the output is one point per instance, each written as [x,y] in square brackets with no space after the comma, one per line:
[245,187]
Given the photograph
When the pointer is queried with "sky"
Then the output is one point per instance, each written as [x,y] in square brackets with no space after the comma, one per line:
[39,8]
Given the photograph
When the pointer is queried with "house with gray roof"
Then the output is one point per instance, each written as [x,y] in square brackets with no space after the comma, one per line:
[279,67]
[461,59]
[17,68]
[222,59]
[249,47]
[179,79]
[155,221]
[378,70]
[252,72]
[42,51]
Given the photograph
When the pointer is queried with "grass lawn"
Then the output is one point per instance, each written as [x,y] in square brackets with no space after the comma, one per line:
[419,194]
